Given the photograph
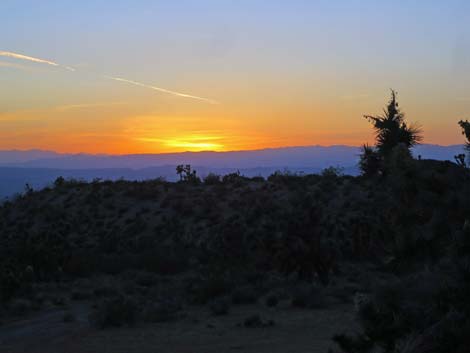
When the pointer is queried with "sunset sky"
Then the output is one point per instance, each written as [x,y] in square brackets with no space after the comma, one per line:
[142,76]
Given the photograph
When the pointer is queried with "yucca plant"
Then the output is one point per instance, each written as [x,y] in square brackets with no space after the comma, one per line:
[370,162]
[392,130]
[465,125]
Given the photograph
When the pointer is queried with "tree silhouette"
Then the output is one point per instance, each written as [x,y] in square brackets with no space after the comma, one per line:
[180,170]
[370,162]
[186,174]
[392,130]
[465,125]
[460,160]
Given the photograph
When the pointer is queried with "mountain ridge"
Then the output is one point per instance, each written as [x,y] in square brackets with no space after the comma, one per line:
[316,156]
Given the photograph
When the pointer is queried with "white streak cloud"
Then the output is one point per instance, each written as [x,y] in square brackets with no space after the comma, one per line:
[87,105]
[32,59]
[119,79]
[159,89]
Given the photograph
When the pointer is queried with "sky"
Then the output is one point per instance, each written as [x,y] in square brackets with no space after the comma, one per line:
[138,76]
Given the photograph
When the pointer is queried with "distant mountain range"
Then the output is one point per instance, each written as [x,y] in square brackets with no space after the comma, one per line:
[39,168]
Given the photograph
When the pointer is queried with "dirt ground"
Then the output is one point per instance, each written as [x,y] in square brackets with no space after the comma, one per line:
[294,331]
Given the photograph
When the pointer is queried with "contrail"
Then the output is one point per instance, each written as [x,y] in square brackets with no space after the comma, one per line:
[36,60]
[88,105]
[119,79]
[179,94]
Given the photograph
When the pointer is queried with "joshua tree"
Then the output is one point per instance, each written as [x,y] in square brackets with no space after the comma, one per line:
[465,125]
[180,169]
[461,158]
[392,130]
[370,162]
[186,174]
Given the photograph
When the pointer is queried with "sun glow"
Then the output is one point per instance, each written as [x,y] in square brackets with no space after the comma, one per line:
[196,143]
[192,143]
[194,146]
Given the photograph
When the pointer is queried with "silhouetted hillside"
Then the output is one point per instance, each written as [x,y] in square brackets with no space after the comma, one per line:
[318,157]
[317,240]
[41,168]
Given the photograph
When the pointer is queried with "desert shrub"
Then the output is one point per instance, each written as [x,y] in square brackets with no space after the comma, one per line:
[399,309]
[257,179]
[145,279]
[219,306]
[255,321]
[285,177]
[244,295]
[114,312]
[332,172]
[10,282]
[106,291]
[20,306]
[207,288]
[114,264]
[271,300]
[308,296]
[234,179]
[59,301]
[230,248]
[166,260]
[60,181]
[212,179]
[81,263]
[161,312]
[69,317]
[44,251]
[451,334]
[303,250]
[142,191]
[81,294]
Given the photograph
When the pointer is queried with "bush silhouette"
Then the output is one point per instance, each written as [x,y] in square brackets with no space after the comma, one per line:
[115,312]
[212,179]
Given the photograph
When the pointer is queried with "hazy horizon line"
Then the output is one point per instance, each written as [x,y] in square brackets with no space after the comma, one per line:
[206,151]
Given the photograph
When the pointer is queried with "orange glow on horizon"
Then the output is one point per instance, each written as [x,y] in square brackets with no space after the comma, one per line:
[131,125]
[192,143]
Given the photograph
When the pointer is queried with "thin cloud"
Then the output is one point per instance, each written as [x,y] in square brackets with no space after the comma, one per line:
[15,66]
[32,59]
[118,79]
[87,105]
[159,89]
